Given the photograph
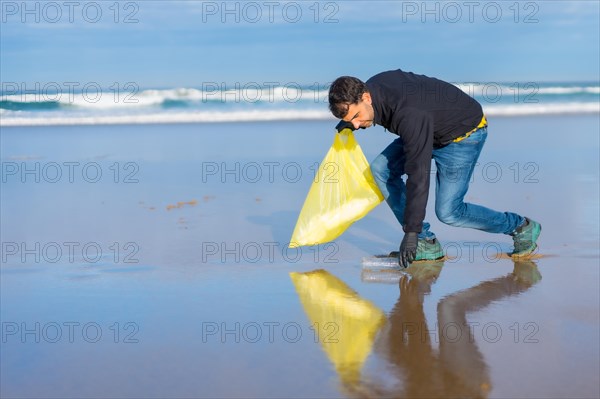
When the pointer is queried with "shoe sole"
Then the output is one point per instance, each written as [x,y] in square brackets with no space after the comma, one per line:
[429,259]
[395,255]
[524,254]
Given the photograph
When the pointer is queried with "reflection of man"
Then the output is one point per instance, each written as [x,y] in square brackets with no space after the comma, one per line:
[459,370]
[434,119]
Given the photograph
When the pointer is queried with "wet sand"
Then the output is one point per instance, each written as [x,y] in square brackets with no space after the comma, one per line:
[151,261]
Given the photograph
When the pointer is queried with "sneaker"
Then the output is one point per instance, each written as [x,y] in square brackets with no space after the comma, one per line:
[525,238]
[426,250]
[429,250]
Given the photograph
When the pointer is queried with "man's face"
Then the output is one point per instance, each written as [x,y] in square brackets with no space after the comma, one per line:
[361,114]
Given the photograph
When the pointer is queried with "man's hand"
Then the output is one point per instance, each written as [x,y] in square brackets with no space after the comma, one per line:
[344,125]
[408,249]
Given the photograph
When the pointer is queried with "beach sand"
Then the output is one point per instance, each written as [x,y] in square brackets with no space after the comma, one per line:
[152,261]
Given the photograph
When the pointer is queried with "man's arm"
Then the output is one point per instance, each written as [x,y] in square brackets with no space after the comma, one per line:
[416,129]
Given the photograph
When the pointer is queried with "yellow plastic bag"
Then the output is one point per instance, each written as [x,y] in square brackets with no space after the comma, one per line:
[343,192]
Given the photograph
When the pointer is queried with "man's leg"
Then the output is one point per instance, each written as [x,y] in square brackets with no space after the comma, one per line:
[455,163]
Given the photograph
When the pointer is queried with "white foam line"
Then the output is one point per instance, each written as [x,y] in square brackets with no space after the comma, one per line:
[546,109]
[275,115]
[205,117]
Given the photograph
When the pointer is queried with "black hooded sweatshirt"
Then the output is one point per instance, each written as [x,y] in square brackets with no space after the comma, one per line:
[426,113]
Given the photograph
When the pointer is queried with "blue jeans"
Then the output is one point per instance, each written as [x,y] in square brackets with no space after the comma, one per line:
[455,163]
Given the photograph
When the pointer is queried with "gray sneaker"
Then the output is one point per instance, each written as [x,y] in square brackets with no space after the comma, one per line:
[525,238]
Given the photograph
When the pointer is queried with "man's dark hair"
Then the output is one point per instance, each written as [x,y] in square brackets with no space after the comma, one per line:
[344,91]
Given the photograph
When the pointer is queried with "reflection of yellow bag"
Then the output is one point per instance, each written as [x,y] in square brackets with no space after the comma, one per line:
[343,192]
[345,323]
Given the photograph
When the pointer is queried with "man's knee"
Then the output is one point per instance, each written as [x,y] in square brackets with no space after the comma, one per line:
[379,168]
[450,215]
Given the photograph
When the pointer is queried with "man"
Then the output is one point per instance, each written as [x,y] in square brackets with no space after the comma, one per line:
[434,119]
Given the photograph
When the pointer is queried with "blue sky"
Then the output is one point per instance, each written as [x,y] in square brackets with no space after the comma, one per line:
[187,43]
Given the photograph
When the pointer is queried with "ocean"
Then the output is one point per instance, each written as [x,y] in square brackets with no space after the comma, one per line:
[69,103]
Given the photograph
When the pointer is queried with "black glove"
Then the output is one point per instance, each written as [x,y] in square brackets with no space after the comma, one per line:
[344,125]
[408,249]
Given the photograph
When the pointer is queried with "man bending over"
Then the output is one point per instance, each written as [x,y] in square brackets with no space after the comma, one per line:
[434,119]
